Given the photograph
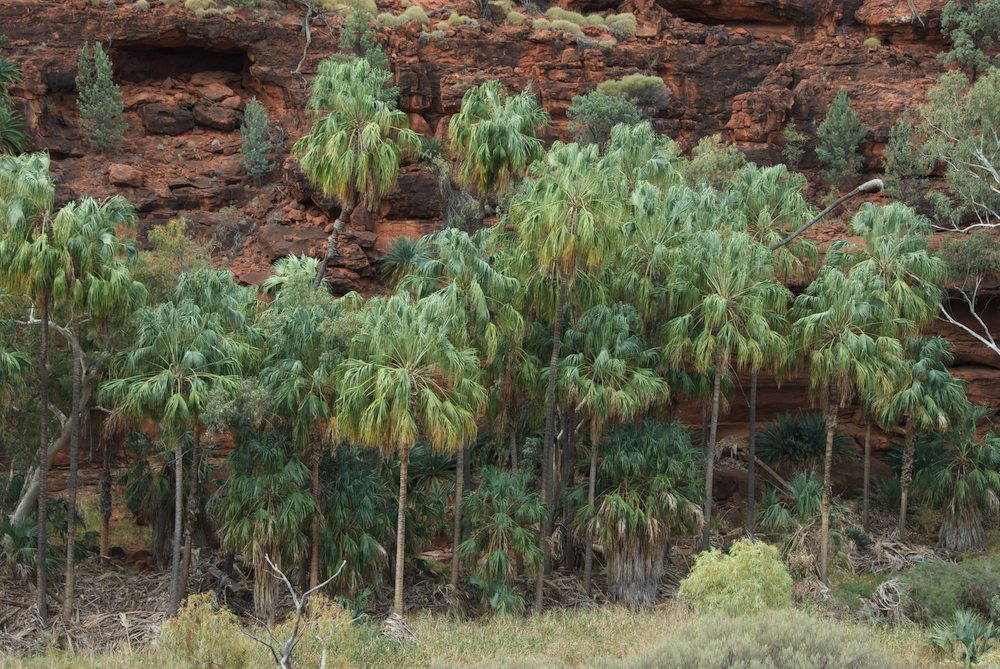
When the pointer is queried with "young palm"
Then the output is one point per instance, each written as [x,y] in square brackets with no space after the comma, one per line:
[610,376]
[32,264]
[926,397]
[493,137]
[850,346]
[404,381]
[180,354]
[734,319]
[479,297]
[354,150]
[567,216]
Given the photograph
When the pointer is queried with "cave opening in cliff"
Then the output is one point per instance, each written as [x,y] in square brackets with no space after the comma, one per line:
[157,61]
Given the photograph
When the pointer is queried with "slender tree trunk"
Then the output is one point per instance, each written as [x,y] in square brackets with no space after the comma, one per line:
[457,535]
[704,422]
[331,246]
[106,498]
[74,457]
[588,557]
[867,485]
[752,459]
[317,457]
[192,510]
[565,481]
[43,462]
[404,470]
[513,448]
[906,476]
[549,438]
[706,530]
[175,559]
[824,538]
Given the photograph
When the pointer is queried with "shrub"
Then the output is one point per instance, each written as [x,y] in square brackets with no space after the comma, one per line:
[786,639]
[516,18]
[873,42]
[559,14]
[412,13]
[199,5]
[937,589]
[907,161]
[840,136]
[541,24]
[357,37]
[622,26]
[793,144]
[140,6]
[99,100]
[203,635]
[456,20]
[713,162]
[750,579]
[256,139]
[966,633]
[568,27]
[645,91]
[592,116]
[326,624]
[799,440]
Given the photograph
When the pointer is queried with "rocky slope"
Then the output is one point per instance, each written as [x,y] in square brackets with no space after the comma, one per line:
[742,68]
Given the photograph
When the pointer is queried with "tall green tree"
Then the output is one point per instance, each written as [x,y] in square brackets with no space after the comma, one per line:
[32,264]
[850,345]
[494,137]
[12,136]
[355,148]
[405,381]
[566,216]
[839,140]
[99,99]
[733,319]
[972,27]
[180,354]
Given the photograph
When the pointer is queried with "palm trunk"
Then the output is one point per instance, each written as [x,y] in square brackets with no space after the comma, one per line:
[588,557]
[331,246]
[106,499]
[713,430]
[404,470]
[565,480]
[457,536]
[867,484]
[175,560]
[74,457]
[513,449]
[704,422]
[824,539]
[752,461]
[43,461]
[317,457]
[906,476]
[549,437]
[192,511]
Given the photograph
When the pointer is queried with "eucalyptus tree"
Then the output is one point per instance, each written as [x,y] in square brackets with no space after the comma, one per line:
[32,264]
[734,318]
[405,380]
[100,289]
[355,148]
[307,334]
[926,397]
[850,345]
[494,138]
[567,217]
[180,353]
[478,295]
[610,374]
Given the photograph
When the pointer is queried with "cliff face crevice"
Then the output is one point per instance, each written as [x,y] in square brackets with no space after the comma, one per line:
[743,68]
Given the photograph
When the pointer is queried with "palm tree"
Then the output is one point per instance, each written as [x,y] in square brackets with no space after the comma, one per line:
[646,492]
[265,476]
[180,354]
[354,150]
[567,217]
[493,137]
[735,316]
[100,288]
[965,480]
[610,375]
[926,397]
[405,380]
[31,264]
[850,345]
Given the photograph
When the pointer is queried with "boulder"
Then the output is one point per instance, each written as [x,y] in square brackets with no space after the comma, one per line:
[125,175]
[216,117]
[161,119]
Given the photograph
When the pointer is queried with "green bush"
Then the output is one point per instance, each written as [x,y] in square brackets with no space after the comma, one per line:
[592,116]
[256,139]
[559,14]
[203,636]
[785,639]
[799,440]
[713,162]
[873,42]
[938,589]
[645,91]
[99,100]
[840,136]
[793,144]
[750,579]
[567,27]
[622,26]
[541,24]
[456,20]
[516,18]
[140,6]
[412,13]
